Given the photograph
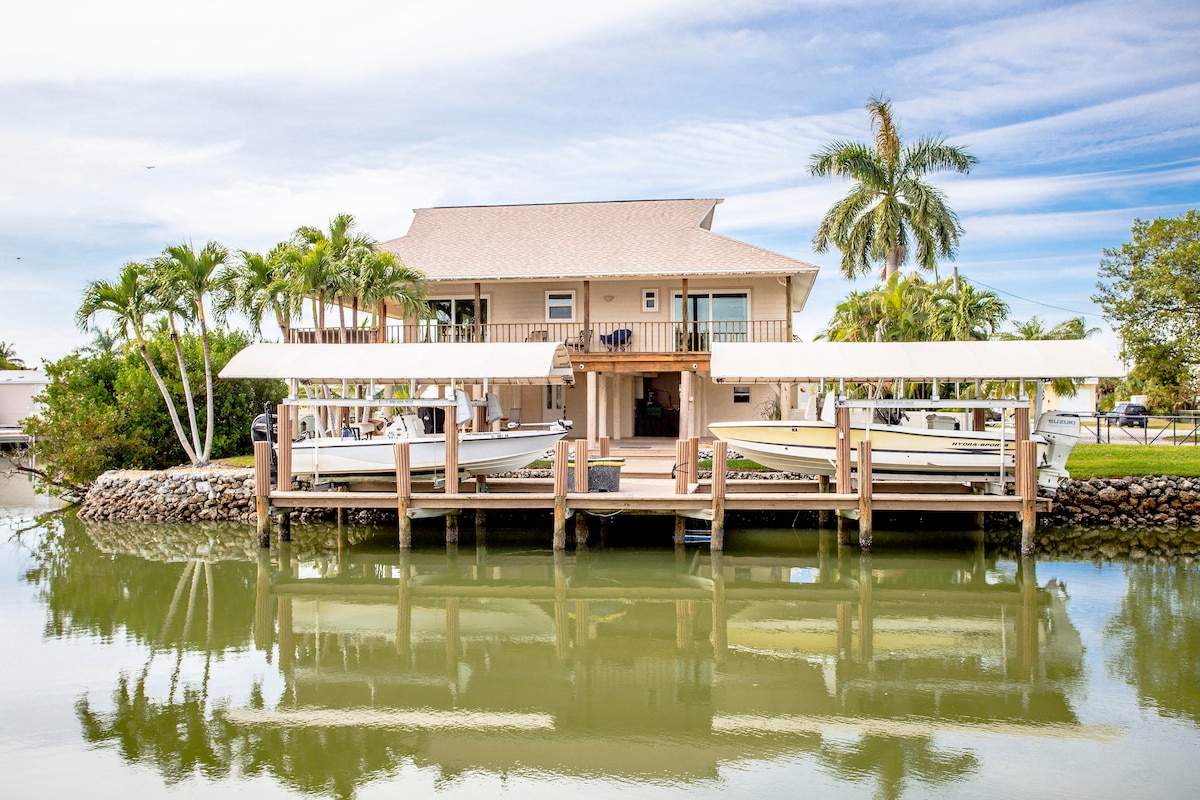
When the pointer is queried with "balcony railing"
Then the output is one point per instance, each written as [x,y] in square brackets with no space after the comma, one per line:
[601,338]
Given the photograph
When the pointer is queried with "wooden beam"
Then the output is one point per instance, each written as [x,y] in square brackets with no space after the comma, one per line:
[581,469]
[262,491]
[451,429]
[687,338]
[561,456]
[865,489]
[787,288]
[720,460]
[284,448]
[403,493]
[586,339]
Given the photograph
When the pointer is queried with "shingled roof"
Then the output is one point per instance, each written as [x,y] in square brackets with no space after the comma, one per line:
[632,238]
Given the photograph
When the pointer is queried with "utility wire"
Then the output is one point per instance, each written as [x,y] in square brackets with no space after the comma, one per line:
[1035,302]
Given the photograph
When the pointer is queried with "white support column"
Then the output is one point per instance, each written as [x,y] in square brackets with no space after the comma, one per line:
[685,404]
[591,409]
[602,431]
[618,406]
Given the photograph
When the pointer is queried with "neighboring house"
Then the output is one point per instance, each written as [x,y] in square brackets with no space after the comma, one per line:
[18,387]
[637,290]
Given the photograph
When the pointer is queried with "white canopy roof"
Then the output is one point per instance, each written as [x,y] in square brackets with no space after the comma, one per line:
[527,363]
[754,362]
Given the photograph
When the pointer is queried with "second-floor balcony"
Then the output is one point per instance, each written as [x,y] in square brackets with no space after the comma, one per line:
[609,338]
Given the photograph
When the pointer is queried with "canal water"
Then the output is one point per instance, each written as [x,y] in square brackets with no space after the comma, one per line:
[147,660]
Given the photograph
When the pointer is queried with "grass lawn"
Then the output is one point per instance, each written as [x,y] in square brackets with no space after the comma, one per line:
[236,461]
[1120,460]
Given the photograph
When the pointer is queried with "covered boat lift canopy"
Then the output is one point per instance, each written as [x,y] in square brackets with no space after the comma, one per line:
[429,363]
[755,362]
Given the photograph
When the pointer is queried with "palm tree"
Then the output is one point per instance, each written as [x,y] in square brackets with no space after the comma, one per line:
[345,248]
[8,357]
[309,274]
[189,277]
[130,303]
[968,314]
[894,311]
[258,283]
[384,276]
[891,206]
[1034,329]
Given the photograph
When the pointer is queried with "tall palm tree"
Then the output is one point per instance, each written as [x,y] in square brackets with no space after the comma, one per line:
[1034,329]
[128,300]
[309,272]
[891,207]
[894,311]
[190,277]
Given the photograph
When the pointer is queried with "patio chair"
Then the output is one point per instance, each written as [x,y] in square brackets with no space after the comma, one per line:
[582,344]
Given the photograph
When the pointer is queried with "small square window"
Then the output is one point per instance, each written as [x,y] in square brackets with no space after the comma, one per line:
[560,306]
[649,299]
[741,394]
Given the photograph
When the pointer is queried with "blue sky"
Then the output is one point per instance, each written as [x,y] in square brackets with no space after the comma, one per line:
[258,117]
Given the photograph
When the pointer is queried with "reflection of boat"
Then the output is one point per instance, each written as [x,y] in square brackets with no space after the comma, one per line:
[903,451]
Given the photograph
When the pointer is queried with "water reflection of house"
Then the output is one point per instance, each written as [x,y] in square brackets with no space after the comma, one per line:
[582,666]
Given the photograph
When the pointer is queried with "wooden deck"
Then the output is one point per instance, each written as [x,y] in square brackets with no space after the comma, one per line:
[654,480]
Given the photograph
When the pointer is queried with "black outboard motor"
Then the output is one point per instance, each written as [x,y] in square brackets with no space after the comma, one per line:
[265,428]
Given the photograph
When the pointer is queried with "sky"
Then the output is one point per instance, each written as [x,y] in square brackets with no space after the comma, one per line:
[133,124]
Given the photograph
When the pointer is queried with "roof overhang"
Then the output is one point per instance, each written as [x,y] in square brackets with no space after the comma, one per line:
[524,363]
[754,362]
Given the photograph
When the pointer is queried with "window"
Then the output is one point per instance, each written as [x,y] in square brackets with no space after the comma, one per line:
[715,316]
[649,299]
[556,398]
[560,306]
[741,394]
[453,320]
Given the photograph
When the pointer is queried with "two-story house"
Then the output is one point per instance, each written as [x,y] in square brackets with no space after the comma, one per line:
[637,290]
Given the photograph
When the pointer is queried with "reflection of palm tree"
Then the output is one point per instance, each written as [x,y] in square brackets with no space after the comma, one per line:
[893,759]
[1157,633]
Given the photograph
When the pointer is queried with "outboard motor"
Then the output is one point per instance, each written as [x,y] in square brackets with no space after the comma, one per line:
[265,428]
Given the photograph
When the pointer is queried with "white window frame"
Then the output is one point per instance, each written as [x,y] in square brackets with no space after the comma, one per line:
[650,301]
[569,292]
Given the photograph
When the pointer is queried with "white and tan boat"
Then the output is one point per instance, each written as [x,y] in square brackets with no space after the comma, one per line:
[904,451]
[484,453]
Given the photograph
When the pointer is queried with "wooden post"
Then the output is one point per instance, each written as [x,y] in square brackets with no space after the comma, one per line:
[403,493]
[787,315]
[1021,423]
[452,527]
[979,419]
[283,467]
[284,520]
[842,466]
[823,517]
[681,472]
[586,339]
[262,491]
[865,527]
[561,456]
[605,447]
[686,391]
[451,429]
[687,334]
[693,461]
[720,458]
[581,529]
[1027,489]
[581,470]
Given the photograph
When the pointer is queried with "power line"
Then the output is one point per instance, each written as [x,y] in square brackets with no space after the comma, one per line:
[1035,302]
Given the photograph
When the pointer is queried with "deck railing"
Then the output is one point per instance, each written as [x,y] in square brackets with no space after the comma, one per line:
[601,337]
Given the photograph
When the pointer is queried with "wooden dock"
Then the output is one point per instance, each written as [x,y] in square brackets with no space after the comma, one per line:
[649,487]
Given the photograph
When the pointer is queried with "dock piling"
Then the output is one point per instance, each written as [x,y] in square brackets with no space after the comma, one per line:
[720,459]
[561,456]
[262,491]
[403,494]
[865,490]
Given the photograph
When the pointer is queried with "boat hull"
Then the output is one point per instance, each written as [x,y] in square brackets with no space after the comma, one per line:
[478,453]
[899,452]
